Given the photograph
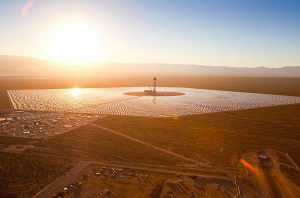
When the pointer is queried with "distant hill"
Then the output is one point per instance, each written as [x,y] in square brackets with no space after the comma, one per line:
[196,70]
[17,66]
[23,67]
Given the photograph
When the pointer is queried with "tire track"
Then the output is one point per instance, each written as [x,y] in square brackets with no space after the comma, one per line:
[168,152]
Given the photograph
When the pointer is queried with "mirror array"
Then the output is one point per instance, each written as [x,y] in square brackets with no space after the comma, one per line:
[115,101]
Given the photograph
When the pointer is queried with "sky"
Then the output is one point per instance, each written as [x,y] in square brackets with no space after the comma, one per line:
[204,32]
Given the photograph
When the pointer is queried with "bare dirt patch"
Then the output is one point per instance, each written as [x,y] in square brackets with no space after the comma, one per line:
[217,137]
[18,148]
[4,101]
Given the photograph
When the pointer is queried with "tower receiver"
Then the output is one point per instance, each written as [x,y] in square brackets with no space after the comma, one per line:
[154,84]
[152,91]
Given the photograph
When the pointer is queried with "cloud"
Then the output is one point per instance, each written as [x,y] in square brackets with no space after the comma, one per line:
[27,7]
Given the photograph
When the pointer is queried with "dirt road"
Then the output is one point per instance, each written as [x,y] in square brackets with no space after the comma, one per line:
[150,145]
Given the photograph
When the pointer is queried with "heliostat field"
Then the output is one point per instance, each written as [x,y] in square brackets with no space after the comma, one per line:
[115,101]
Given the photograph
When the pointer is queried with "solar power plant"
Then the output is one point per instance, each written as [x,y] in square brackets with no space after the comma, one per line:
[115,101]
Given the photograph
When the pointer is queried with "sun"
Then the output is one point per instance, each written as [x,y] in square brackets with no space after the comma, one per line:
[74,42]
[75,92]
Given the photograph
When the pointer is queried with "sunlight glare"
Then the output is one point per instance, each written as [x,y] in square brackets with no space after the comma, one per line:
[76,92]
[74,42]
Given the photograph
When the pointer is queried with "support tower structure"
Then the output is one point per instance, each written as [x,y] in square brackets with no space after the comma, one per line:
[154,84]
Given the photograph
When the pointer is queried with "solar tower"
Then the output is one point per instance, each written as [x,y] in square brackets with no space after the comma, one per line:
[154,84]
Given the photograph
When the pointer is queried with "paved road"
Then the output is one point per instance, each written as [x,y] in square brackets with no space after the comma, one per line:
[168,171]
[150,145]
[66,179]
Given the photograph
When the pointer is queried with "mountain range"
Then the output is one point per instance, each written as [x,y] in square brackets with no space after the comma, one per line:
[21,67]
